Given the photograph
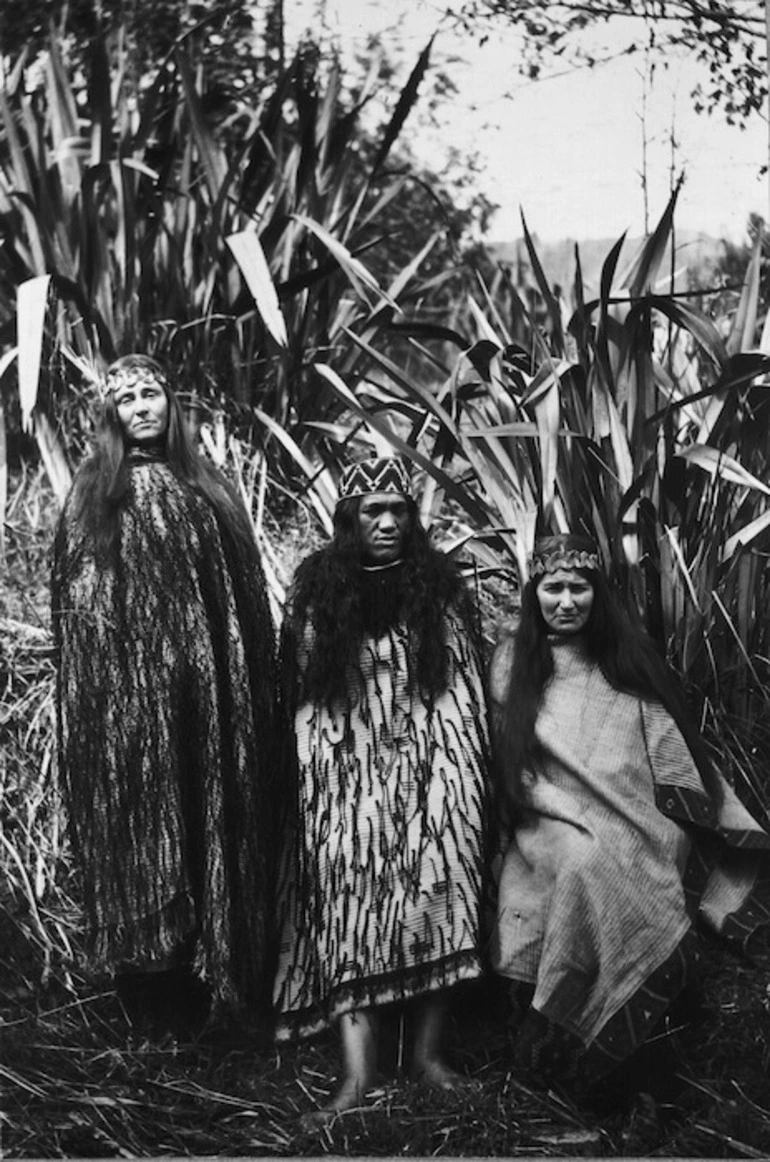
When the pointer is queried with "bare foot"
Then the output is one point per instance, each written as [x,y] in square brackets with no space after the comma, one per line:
[350,1095]
[433,1071]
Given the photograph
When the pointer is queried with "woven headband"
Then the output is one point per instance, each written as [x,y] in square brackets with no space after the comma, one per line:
[541,563]
[130,377]
[384,475]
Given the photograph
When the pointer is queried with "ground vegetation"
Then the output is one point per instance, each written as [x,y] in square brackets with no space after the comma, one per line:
[314,307]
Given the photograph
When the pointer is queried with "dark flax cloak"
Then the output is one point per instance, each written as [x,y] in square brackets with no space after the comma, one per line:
[165,722]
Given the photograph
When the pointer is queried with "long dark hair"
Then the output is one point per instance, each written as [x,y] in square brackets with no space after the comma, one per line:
[332,590]
[616,642]
[104,480]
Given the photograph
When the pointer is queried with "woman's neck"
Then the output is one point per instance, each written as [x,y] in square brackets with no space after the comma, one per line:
[154,452]
[383,568]
[576,640]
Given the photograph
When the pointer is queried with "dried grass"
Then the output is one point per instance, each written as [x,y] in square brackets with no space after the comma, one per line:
[83,1078]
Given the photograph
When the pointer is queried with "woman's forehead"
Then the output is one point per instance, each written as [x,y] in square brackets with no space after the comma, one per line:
[378,499]
[564,577]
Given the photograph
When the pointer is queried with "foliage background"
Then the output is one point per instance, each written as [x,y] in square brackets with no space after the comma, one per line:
[176,187]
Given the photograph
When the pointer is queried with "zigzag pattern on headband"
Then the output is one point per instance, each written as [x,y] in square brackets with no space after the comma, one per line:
[386,474]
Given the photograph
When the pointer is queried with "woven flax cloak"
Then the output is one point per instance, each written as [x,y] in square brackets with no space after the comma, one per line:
[165,720]
[620,849]
[382,887]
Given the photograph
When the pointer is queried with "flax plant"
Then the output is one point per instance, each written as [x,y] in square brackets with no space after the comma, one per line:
[130,222]
[237,252]
[633,418]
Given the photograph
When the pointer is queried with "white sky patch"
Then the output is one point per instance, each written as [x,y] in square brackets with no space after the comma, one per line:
[569,149]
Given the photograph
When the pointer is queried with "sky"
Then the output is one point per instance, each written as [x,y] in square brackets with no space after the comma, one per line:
[568,151]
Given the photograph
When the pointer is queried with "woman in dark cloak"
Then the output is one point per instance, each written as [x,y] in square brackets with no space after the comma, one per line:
[165,698]
[620,831]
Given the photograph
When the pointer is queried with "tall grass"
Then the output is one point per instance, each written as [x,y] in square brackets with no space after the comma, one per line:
[255,257]
[247,257]
[634,419]
[130,222]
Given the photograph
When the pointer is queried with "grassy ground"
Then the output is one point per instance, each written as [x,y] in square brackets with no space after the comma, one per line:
[84,1079]
[84,1076]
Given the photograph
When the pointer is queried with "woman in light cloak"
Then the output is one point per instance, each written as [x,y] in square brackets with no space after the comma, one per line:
[620,833]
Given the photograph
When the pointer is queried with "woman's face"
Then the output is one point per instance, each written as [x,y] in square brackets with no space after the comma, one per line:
[142,409]
[383,518]
[565,598]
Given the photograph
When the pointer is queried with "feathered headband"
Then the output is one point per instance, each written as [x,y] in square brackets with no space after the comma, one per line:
[386,474]
[544,562]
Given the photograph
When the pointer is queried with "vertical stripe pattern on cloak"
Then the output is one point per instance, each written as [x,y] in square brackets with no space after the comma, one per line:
[165,729]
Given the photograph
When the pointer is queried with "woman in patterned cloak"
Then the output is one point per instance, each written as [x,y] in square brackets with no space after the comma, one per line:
[165,698]
[620,831]
[381,674]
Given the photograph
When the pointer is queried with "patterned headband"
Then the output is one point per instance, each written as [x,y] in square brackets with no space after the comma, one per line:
[541,563]
[384,475]
[130,377]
